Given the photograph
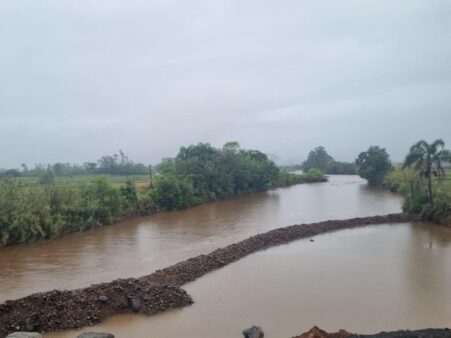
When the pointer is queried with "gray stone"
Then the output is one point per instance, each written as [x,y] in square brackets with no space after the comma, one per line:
[134,304]
[103,299]
[96,335]
[24,335]
[32,323]
[253,332]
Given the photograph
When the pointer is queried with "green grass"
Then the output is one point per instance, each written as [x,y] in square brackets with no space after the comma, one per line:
[447,182]
[78,180]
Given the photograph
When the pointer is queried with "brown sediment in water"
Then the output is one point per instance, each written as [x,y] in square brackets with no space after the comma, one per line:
[157,292]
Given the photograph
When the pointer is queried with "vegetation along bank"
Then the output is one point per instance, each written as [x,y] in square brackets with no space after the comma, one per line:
[423,178]
[199,173]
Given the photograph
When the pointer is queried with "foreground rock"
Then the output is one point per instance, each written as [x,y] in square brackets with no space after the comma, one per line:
[95,335]
[253,332]
[24,335]
[59,310]
[316,332]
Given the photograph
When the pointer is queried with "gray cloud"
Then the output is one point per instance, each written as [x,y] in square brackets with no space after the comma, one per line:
[79,79]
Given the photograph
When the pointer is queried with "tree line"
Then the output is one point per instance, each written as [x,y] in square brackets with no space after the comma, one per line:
[199,173]
[319,158]
[116,164]
[421,178]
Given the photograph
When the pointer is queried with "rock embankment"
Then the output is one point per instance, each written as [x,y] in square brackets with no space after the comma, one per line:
[316,332]
[58,310]
[154,293]
[193,268]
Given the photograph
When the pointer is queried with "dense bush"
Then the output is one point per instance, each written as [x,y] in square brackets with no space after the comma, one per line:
[198,174]
[201,173]
[373,165]
[318,158]
[313,175]
[424,181]
[99,202]
[410,184]
[41,212]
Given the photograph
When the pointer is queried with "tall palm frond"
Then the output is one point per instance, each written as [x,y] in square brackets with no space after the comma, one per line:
[427,159]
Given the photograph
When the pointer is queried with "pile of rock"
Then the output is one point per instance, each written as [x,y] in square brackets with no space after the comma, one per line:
[58,310]
[38,335]
[316,332]
[160,291]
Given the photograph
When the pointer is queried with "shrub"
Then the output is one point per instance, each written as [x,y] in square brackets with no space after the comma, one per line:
[99,202]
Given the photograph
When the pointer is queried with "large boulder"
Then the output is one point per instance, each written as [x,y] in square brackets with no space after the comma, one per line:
[96,335]
[253,332]
[24,335]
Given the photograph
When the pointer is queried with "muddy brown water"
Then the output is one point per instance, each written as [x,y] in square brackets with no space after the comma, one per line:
[139,247]
[370,279]
[366,280]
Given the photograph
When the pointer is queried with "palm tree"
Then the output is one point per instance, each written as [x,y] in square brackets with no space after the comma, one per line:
[427,159]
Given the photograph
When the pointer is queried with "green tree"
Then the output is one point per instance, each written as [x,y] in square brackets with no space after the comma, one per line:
[232,146]
[427,159]
[130,198]
[373,165]
[318,158]
[171,193]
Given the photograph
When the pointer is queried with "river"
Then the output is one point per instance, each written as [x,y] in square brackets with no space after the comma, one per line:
[139,247]
[365,280]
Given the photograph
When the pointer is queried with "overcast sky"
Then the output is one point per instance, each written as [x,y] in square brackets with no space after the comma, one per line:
[79,79]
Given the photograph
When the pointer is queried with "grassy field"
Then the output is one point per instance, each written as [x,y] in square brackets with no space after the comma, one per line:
[141,181]
[447,182]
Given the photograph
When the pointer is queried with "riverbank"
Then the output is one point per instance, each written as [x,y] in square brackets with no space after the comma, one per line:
[410,184]
[14,314]
[50,211]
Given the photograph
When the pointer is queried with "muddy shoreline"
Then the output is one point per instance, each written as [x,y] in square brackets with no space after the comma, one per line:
[157,292]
